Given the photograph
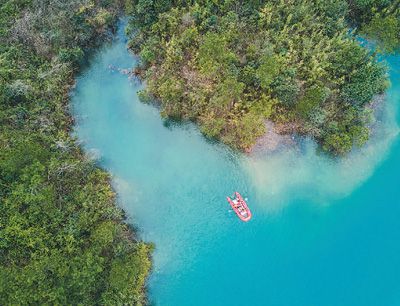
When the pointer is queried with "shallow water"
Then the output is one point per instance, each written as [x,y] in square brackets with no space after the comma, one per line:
[323,232]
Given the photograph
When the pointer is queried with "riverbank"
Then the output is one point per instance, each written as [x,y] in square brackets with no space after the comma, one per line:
[283,136]
[64,240]
[231,67]
[273,140]
[339,216]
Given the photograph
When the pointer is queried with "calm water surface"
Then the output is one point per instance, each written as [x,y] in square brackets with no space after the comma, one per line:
[323,233]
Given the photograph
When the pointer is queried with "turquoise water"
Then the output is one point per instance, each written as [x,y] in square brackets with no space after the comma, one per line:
[323,232]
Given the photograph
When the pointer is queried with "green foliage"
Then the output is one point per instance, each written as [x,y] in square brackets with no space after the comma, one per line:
[125,273]
[264,106]
[314,97]
[214,55]
[384,29]
[340,143]
[350,131]
[363,10]
[364,83]
[171,91]
[378,20]
[63,240]
[144,96]
[211,126]
[287,92]
[229,65]
[74,55]
[268,70]
[246,127]
[16,92]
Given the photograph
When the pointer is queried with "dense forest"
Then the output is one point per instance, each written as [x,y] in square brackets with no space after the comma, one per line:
[379,20]
[227,65]
[63,240]
[231,65]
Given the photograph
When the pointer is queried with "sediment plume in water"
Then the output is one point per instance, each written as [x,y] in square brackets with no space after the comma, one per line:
[282,165]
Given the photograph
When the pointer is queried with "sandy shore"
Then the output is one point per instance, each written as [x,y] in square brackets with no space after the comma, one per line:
[273,139]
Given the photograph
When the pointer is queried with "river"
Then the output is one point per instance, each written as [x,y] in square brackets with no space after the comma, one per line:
[324,232]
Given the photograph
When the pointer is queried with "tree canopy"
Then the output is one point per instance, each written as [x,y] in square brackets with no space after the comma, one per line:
[378,20]
[230,65]
[63,240]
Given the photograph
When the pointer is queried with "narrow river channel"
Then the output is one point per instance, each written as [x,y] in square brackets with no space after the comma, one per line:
[324,232]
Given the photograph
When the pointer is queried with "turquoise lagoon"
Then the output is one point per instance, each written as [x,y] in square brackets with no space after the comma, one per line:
[324,232]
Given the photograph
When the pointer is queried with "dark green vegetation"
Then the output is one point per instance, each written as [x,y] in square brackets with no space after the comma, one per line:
[62,238]
[230,65]
[378,20]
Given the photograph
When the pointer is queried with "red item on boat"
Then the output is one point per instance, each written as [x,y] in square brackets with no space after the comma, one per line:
[240,207]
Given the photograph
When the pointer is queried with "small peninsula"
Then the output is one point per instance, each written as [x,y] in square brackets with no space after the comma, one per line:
[230,65]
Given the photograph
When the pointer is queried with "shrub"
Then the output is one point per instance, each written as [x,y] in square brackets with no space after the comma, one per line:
[71,55]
